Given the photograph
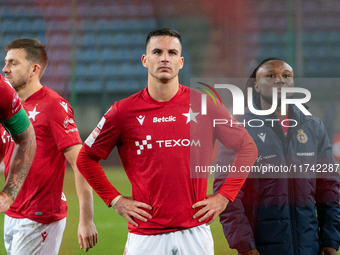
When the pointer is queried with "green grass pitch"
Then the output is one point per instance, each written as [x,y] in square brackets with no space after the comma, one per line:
[112,228]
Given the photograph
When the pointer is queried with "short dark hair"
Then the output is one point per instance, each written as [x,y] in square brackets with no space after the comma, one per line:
[252,79]
[35,51]
[163,32]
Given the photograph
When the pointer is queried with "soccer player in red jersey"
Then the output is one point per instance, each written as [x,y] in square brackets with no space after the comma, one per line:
[36,220]
[16,122]
[160,134]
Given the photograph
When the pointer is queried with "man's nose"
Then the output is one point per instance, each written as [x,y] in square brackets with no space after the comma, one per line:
[165,57]
[279,79]
[5,69]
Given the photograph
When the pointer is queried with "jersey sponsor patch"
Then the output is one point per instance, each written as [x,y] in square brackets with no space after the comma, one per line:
[15,100]
[147,143]
[68,121]
[305,154]
[101,123]
[143,144]
[164,119]
[6,138]
[93,136]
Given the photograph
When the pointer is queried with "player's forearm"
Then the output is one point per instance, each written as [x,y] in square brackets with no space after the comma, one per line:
[245,157]
[84,190]
[21,162]
[85,196]
[95,176]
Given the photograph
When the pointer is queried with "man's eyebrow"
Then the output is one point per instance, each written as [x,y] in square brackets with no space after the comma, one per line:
[286,70]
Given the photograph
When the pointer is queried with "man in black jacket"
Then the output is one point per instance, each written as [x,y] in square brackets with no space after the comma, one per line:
[277,215]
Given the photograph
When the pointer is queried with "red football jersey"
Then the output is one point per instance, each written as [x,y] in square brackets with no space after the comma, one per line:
[10,103]
[159,144]
[41,197]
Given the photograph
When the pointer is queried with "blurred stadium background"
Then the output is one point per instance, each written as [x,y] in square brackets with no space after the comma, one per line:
[95,47]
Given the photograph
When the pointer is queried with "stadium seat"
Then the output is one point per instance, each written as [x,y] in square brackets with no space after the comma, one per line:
[9,37]
[104,39]
[137,39]
[109,70]
[116,25]
[63,70]
[131,10]
[23,25]
[7,25]
[6,12]
[94,70]
[89,40]
[57,40]
[101,25]
[99,11]
[149,24]
[48,74]
[86,86]
[120,39]
[125,69]
[106,54]
[80,70]
[146,10]
[63,54]
[90,55]
[112,85]
[38,25]
[139,69]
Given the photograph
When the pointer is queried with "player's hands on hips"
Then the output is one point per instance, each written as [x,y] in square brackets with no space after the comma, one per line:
[130,208]
[213,205]
[5,201]
[251,252]
[327,251]
[87,235]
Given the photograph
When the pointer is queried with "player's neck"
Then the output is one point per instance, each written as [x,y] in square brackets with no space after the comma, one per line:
[163,92]
[27,90]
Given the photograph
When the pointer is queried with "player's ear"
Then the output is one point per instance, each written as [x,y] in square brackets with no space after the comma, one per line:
[144,61]
[35,70]
[181,63]
[257,86]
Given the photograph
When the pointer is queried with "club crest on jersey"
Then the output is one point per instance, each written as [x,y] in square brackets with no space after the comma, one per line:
[140,119]
[301,136]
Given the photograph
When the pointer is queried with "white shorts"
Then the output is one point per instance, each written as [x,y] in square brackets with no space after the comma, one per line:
[24,236]
[191,241]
